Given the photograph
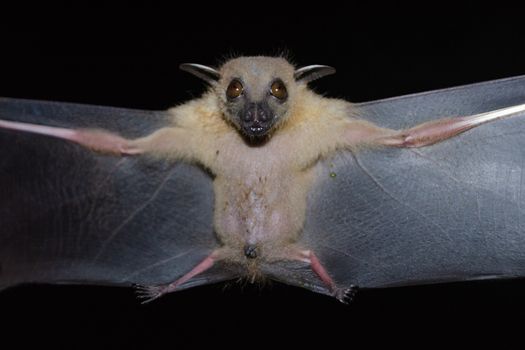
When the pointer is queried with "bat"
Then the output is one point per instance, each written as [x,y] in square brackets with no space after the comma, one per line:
[261,178]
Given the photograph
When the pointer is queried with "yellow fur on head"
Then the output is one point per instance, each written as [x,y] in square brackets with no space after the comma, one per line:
[256,75]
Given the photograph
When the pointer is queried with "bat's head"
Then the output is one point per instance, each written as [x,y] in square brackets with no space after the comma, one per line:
[257,93]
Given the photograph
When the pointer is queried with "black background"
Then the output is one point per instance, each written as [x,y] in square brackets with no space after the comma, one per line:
[117,57]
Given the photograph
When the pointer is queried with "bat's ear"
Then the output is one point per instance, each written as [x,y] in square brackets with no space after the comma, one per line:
[309,73]
[208,74]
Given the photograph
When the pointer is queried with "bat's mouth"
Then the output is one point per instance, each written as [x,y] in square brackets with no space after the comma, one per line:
[256,130]
[257,120]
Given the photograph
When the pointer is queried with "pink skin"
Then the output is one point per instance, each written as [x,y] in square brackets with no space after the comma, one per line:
[309,257]
[432,132]
[150,293]
[418,136]
[317,267]
[96,140]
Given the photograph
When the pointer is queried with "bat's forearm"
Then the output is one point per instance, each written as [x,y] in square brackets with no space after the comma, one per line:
[442,129]
[357,133]
[360,132]
[171,142]
[96,140]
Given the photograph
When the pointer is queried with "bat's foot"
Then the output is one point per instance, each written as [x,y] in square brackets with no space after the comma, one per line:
[149,293]
[345,295]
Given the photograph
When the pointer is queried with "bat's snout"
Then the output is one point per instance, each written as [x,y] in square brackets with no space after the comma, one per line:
[257,119]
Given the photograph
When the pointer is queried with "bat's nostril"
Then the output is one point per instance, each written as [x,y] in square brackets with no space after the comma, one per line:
[263,117]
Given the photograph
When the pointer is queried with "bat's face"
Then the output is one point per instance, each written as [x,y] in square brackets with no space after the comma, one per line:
[256,93]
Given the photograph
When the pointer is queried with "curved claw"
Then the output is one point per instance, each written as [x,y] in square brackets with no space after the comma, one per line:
[149,293]
[346,295]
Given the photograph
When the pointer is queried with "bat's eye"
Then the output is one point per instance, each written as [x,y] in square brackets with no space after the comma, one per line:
[278,90]
[234,89]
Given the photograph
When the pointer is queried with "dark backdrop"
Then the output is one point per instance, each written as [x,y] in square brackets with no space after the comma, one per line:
[130,59]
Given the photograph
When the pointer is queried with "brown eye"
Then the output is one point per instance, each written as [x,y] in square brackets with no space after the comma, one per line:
[279,90]
[234,89]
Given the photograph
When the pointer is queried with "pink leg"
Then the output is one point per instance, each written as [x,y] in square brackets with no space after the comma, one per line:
[343,295]
[150,293]
[96,140]
[442,129]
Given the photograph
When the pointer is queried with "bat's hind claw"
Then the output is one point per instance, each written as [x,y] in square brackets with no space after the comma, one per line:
[346,295]
[149,293]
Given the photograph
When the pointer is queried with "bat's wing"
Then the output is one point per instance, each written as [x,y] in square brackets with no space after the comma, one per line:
[68,215]
[454,211]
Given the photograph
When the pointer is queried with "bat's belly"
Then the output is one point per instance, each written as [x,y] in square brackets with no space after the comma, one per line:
[259,214]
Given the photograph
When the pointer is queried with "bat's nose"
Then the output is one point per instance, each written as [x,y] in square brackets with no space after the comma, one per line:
[257,119]
[256,114]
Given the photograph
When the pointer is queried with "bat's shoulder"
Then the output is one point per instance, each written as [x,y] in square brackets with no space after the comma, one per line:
[314,111]
[317,118]
[202,114]
[316,126]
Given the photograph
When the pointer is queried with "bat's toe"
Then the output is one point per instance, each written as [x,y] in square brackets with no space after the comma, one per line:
[345,295]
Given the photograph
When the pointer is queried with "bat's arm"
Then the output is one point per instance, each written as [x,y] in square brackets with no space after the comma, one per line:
[359,132]
[439,130]
[93,139]
[170,142]
[96,140]
[170,139]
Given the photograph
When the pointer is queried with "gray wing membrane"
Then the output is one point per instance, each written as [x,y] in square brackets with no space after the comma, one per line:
[386,217]
[70,216]
[453,211]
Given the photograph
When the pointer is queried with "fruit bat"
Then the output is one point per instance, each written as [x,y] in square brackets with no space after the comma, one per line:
[260,177]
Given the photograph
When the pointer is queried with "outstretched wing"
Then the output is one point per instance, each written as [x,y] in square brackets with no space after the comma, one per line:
[453,211]
[68,215]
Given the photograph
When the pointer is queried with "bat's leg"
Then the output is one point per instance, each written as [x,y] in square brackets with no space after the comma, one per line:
[436,131]
[96,140]
[150,293]
[344,295]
